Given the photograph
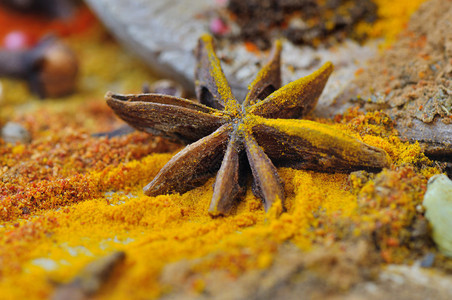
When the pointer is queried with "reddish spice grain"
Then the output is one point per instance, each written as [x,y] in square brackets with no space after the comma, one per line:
[251,47]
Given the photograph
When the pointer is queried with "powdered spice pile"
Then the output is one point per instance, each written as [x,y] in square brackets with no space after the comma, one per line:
[41,244]
[69,198]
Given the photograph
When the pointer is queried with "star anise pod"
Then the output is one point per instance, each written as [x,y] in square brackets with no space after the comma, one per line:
[229,138]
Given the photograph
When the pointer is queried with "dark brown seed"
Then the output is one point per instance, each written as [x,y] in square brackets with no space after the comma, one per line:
[50,68]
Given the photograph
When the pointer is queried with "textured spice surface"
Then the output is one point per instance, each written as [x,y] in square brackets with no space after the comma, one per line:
[68,199]
[302,22]
[412,80]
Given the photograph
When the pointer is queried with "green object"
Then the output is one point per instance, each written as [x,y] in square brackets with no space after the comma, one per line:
[438,204]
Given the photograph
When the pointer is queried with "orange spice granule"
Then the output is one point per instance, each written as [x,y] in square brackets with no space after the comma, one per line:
[251,47]
[359,71]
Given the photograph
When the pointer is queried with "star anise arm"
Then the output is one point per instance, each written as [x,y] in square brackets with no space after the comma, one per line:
[267,80]
[227,185]
[211,85]
[267,184]
[192,166]
[295,99]
[310,145]
[165,115]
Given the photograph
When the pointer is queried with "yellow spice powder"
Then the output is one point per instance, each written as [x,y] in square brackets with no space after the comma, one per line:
[155,231]
[393,17]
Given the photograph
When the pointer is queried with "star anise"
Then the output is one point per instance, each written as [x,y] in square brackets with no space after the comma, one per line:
[225,134]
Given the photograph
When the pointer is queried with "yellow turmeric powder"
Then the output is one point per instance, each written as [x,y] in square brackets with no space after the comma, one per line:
[155,231]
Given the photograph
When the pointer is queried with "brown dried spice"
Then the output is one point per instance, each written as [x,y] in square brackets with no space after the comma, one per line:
[226,134]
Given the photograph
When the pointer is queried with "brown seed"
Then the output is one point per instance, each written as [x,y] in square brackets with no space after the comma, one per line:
[50,68]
